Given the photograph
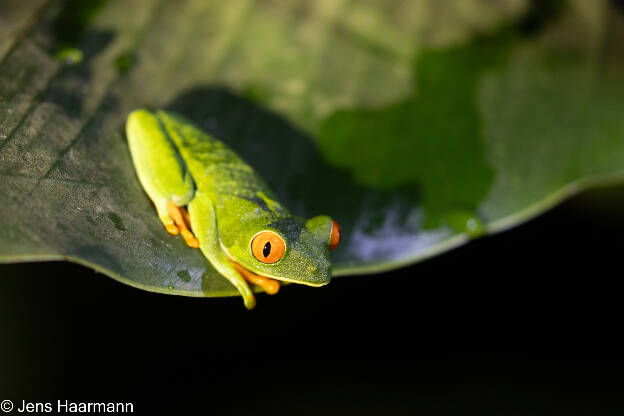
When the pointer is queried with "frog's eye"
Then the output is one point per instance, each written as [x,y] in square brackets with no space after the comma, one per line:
[336,233]
[267,247]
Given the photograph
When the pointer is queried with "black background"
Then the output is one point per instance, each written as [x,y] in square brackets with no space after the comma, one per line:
[524,322]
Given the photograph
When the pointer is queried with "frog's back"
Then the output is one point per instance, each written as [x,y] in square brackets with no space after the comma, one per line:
[215,168]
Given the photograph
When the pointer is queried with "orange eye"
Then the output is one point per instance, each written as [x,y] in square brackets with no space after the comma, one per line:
[267,247]
[336,233]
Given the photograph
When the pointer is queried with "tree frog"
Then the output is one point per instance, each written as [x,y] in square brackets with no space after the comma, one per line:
[232,216]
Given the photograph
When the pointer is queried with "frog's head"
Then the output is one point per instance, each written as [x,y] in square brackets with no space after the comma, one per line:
[288,248]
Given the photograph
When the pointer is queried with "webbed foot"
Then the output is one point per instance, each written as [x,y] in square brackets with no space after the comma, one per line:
[180,217]
[269,285]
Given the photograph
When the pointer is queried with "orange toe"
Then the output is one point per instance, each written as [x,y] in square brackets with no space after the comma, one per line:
[172,229]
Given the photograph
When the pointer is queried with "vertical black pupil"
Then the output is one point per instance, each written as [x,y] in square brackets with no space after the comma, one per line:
[267,249]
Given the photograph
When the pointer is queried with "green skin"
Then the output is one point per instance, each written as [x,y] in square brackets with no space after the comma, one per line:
[228,204]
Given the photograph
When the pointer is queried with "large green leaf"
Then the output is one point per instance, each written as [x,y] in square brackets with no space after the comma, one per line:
[416,125]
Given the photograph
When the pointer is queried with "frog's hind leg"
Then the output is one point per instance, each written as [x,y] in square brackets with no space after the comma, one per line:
[161,170]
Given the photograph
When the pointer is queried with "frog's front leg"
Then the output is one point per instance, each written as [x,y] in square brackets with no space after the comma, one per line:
[203,217]
[270,286]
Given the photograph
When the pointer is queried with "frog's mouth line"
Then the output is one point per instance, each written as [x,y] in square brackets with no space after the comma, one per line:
[271,277]
[270,284]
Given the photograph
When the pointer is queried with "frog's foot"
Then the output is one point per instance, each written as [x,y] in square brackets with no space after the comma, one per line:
[171,228]
[180,218]
[186,217]
[269,285]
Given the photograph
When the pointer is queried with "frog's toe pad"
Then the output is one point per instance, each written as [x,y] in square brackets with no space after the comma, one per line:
[190,239]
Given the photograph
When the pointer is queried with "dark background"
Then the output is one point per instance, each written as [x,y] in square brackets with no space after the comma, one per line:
[524,322]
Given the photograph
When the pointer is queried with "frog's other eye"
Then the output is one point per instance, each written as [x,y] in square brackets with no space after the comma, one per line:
[336,233]
[267,247]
